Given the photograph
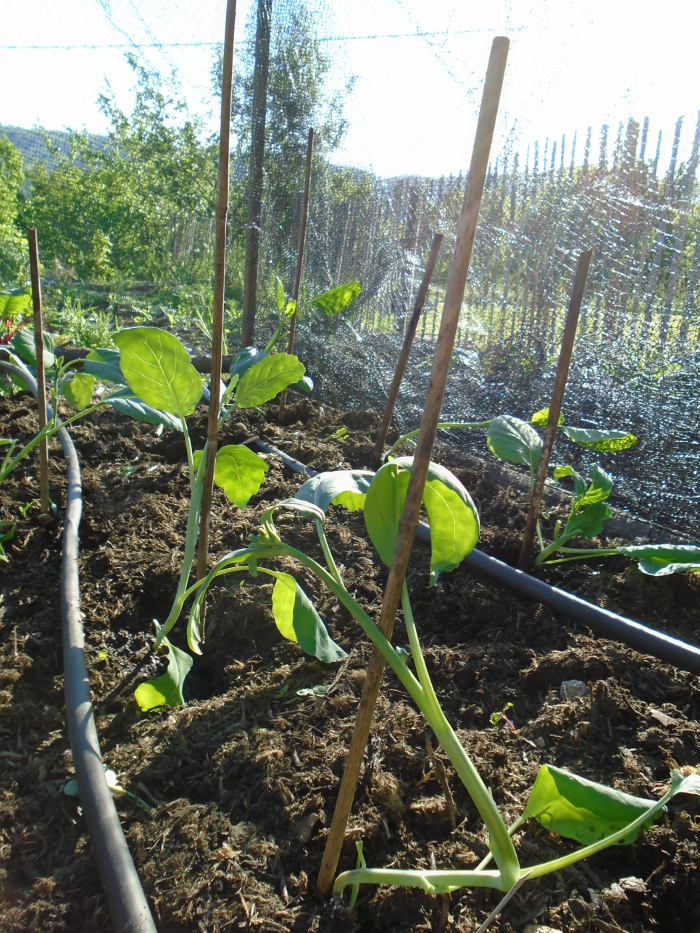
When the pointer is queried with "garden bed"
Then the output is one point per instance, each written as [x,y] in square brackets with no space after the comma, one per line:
[243,779]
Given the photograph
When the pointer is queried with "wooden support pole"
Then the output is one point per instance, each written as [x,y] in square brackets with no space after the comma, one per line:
[40,373]
[300,262]
[219,290]
[405,350]
[408,522]
[567,344]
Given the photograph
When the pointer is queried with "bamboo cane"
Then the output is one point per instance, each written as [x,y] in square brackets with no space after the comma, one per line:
[406,349]
[219,288]
[300,263]
[567,343]
[40,374]
[408,522]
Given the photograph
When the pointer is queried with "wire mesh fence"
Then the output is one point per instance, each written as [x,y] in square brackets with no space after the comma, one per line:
[136,208]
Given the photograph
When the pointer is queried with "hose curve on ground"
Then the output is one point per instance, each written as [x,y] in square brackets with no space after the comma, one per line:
[128,907]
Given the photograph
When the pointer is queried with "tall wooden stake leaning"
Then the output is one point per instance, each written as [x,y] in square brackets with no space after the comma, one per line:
[409,518]
[300,263]
[219,287]
[567,345]
[40,377]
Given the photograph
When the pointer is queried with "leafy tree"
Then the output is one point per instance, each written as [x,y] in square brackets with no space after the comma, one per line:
[297,99]
[140,204]
[13,252]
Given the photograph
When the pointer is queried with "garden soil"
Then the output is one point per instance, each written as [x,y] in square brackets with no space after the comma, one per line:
[241,782]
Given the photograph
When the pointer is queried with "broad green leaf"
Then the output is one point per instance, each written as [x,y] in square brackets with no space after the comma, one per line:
[166,690]
[158,370]
[244,359]
[305,385]
[297,619]
[337,299]
[599,490]
[78,389]
[603,441]
[338,487]
[589,522]
[576,808]
[660,560]
[104,364]
[383,506]
[279,294]
[290,308]
[514,440]
[454,526]
[239,472]
[454,523]
[127,404]
[541,417]
[266,379]
[15,302]
[23,345]
[560,472]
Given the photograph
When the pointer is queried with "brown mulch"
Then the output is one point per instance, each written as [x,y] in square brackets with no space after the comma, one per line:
[242,781]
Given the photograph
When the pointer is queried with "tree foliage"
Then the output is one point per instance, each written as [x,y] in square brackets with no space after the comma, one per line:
[138,206]
[13,252]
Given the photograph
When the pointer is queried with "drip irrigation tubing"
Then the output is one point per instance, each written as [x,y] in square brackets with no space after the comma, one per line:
[608,624]
[126,901]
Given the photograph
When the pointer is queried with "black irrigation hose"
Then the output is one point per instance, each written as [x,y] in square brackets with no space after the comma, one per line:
[609,624]
[128,908]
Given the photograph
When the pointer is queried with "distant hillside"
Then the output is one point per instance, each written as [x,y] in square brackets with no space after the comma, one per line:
[33,143]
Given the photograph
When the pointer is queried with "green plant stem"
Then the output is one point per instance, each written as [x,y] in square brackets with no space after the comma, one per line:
[443,426]
[330,560]
[577,553]
[500,841]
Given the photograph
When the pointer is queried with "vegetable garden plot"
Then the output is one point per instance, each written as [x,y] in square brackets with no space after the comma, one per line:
[243,779]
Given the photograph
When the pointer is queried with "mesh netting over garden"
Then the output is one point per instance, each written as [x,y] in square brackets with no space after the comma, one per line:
[126,216]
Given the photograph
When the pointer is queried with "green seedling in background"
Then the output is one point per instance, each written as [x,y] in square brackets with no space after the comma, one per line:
[571,806]
[517,441]
[15,309]
[331,303]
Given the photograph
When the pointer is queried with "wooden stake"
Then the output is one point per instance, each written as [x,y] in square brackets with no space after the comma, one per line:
[567,344]
[411,511]
[405,350]
[300,262]
[40,373]
[219,289]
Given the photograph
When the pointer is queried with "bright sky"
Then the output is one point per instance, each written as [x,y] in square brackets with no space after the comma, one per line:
[419,69]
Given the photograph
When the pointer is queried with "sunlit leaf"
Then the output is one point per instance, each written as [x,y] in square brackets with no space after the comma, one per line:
[78,389]
[337,299]
[347,488]
[603,441]
[279,294]
[599,490]
[512,439]
[166,690]
[580,809]
[239,472]
[541,417]
[297,619]
[158,370]
[15,303]
[589,522]
[266,379]
[560,472]
[660,560]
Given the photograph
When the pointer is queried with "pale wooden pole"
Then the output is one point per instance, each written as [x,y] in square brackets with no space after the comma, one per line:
[405,350]
[219,289]
[408,522]
[567,345]
[300,262]
[40,373]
